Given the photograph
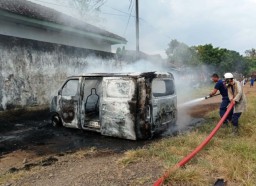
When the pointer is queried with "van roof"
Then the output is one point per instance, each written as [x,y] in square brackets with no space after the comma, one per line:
[128,74]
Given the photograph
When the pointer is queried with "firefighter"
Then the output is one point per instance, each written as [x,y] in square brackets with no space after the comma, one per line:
[236,95]
[221,87]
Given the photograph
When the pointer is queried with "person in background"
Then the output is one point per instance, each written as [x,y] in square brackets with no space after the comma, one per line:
[237,96]
[221,87]
[243,81]
[252,82]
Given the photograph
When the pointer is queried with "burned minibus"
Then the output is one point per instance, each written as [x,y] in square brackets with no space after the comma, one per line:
[130,106]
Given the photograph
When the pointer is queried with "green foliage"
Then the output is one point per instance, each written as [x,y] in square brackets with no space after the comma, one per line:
[251,53]
[223,60]
[252,65]
[251,59]
[220,59]
[209,55]
[182,54]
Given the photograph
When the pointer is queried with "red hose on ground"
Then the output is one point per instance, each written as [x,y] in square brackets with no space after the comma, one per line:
[161,180]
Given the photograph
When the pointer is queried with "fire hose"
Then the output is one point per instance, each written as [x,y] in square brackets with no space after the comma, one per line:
[206,97]
[161,180]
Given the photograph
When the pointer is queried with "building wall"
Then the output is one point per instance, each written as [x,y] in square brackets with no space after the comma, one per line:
[20,30]
[31,72]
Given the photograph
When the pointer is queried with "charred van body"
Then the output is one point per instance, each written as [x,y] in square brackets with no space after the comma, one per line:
[131,106]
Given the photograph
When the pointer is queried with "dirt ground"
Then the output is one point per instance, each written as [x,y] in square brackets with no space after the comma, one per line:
[32,152]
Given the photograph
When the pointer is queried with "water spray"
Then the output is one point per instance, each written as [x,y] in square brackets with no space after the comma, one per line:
[192,102]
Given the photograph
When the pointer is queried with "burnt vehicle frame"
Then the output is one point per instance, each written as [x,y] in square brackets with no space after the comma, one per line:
[125,105]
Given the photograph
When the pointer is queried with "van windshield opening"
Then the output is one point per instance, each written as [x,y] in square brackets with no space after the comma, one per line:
[70,88]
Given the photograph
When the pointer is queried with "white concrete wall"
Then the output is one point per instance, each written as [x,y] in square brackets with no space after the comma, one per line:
[31,72]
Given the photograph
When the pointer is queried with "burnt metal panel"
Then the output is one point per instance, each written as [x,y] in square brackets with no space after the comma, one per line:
[117,112]
[164,112]
[70,105]
[53,106]
[143,125]
[128,108]
[164,107]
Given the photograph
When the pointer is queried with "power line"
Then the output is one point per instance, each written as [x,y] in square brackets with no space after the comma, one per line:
[119,15]
[124,14]
[130,4]
[127,13]
[129,18]
[97,5]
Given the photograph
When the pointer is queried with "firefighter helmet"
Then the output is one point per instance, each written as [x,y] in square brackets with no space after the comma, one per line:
[228,75]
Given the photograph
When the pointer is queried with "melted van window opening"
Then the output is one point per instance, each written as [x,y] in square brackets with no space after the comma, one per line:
[70,88]
[161,87]
[92,94]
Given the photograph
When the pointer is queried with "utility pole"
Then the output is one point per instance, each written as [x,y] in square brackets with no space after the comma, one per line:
[137,30]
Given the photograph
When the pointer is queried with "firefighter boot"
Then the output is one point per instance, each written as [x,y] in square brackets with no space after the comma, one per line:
[225,124]
[235,131]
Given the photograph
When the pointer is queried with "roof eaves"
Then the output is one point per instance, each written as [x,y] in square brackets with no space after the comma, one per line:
[57,26]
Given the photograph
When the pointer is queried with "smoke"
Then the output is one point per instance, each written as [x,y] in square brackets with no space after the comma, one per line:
[189,82]
[98,65]
[186,81]
[39,78]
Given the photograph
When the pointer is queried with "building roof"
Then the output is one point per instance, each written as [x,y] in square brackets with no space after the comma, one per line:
[35,11]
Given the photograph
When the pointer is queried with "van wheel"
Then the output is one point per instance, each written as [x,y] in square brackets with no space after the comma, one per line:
[56,121]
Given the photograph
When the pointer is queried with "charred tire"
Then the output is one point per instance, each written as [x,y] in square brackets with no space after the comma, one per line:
[56,121]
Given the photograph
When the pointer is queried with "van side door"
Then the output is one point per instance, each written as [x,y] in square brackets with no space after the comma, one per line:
[69,102]
[164,103]
[118,107]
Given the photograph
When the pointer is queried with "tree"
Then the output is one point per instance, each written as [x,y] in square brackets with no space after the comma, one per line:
[251,59]
[173,45]
[234,62]
[210,55]
[220,60]
[181,54]
[251,53]
[120,53]
[87,8]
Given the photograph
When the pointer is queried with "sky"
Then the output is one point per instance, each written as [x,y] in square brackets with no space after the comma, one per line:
[223,23]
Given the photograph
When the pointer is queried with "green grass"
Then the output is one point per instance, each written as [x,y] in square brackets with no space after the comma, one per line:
[226,156]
